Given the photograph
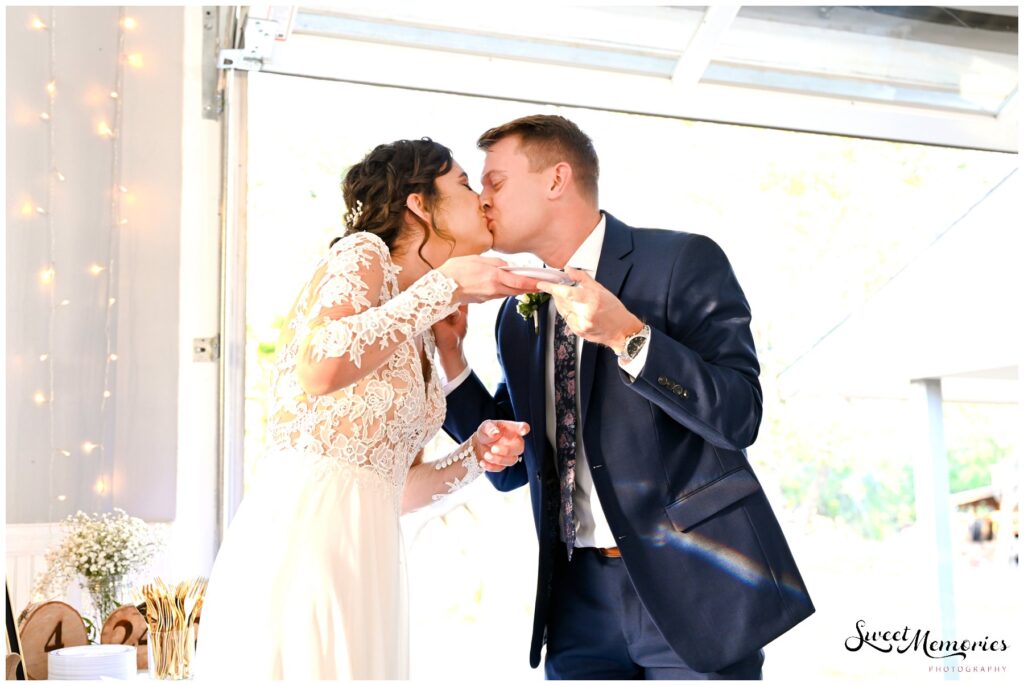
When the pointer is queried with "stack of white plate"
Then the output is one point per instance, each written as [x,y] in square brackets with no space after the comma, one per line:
[92,662]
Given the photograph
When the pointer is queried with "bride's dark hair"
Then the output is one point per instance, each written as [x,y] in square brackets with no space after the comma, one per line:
[376,188]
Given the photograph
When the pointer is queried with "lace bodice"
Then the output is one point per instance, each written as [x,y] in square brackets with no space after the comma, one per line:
[380,422]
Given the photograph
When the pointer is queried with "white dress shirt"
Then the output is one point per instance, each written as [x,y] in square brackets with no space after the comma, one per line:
[592,528]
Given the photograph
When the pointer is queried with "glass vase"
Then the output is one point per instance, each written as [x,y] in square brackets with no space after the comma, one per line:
[106,593]
[171,654]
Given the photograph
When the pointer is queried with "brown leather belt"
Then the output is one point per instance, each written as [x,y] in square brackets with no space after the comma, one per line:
[608,552]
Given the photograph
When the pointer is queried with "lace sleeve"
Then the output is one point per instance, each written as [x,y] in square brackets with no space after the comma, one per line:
[347,319]
[462,461]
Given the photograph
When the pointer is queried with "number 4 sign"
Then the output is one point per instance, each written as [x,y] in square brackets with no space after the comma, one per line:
[46,628]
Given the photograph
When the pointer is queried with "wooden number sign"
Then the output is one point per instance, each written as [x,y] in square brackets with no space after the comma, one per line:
[127,626]
[45,628]
[13,662]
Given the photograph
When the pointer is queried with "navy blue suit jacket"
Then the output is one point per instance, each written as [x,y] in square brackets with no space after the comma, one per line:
[666,451]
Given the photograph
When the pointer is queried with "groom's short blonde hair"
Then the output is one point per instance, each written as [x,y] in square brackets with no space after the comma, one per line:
[546,140]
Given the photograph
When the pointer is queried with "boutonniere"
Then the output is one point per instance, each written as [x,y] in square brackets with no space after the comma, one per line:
[529,304]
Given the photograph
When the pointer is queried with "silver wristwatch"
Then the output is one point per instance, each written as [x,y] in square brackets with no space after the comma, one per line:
[634,344]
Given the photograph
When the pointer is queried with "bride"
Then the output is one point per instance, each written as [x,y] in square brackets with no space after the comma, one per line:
[310,579]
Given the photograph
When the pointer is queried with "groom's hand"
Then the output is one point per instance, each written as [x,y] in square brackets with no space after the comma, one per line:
[450,332]
[449,335]
[592,311]
[499,443]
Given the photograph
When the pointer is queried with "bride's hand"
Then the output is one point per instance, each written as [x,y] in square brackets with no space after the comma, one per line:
[479,279]
[499,443]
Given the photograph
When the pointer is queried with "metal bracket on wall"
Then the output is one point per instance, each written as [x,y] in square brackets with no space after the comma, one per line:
[257,46]
[206,349]
[213,94]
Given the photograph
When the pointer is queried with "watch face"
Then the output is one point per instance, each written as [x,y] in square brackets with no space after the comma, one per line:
[634,345]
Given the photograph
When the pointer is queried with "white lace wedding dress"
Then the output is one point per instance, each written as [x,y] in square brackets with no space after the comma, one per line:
[310,581]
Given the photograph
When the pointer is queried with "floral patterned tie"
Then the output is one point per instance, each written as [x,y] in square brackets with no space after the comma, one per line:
[565,423]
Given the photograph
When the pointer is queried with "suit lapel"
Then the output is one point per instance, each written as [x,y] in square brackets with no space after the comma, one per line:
[537,375]
[525,366]
[611,272]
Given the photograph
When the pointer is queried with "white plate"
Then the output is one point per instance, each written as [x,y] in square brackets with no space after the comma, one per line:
[541,274]
[92,662]
[93,651]
[97,675]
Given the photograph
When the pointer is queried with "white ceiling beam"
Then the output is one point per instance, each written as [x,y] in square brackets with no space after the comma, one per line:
[1009,109]
[434,70]
[1003,10]
[697,55]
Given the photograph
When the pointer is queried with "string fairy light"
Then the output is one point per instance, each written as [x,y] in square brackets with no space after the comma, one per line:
[107,126]
[118,193]
[47,276]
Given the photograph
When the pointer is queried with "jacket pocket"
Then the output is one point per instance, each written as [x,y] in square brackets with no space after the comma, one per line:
[694,507]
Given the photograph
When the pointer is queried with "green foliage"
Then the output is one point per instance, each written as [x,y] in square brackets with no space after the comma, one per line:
[849,461]
[260,358]
[971,466]
[92,633]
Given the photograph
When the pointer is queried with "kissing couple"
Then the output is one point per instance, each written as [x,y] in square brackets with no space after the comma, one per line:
[630,393]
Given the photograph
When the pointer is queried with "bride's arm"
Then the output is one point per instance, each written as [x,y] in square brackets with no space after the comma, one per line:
[497,444]
[349,337]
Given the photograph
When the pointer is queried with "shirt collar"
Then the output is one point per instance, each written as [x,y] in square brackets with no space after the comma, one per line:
[588,255]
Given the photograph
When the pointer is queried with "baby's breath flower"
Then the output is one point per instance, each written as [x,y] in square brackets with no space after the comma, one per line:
[113,544]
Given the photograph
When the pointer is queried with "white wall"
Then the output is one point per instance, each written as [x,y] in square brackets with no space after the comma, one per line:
[192,547]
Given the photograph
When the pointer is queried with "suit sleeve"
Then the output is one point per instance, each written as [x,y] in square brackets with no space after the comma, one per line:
[703,370]
[470,404]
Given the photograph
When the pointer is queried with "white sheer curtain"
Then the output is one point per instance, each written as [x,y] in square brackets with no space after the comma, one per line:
[92,264]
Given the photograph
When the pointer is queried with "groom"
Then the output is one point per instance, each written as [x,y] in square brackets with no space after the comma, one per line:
[660,557]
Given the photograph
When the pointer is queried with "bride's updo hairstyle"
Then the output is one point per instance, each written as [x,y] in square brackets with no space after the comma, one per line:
[376,188]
